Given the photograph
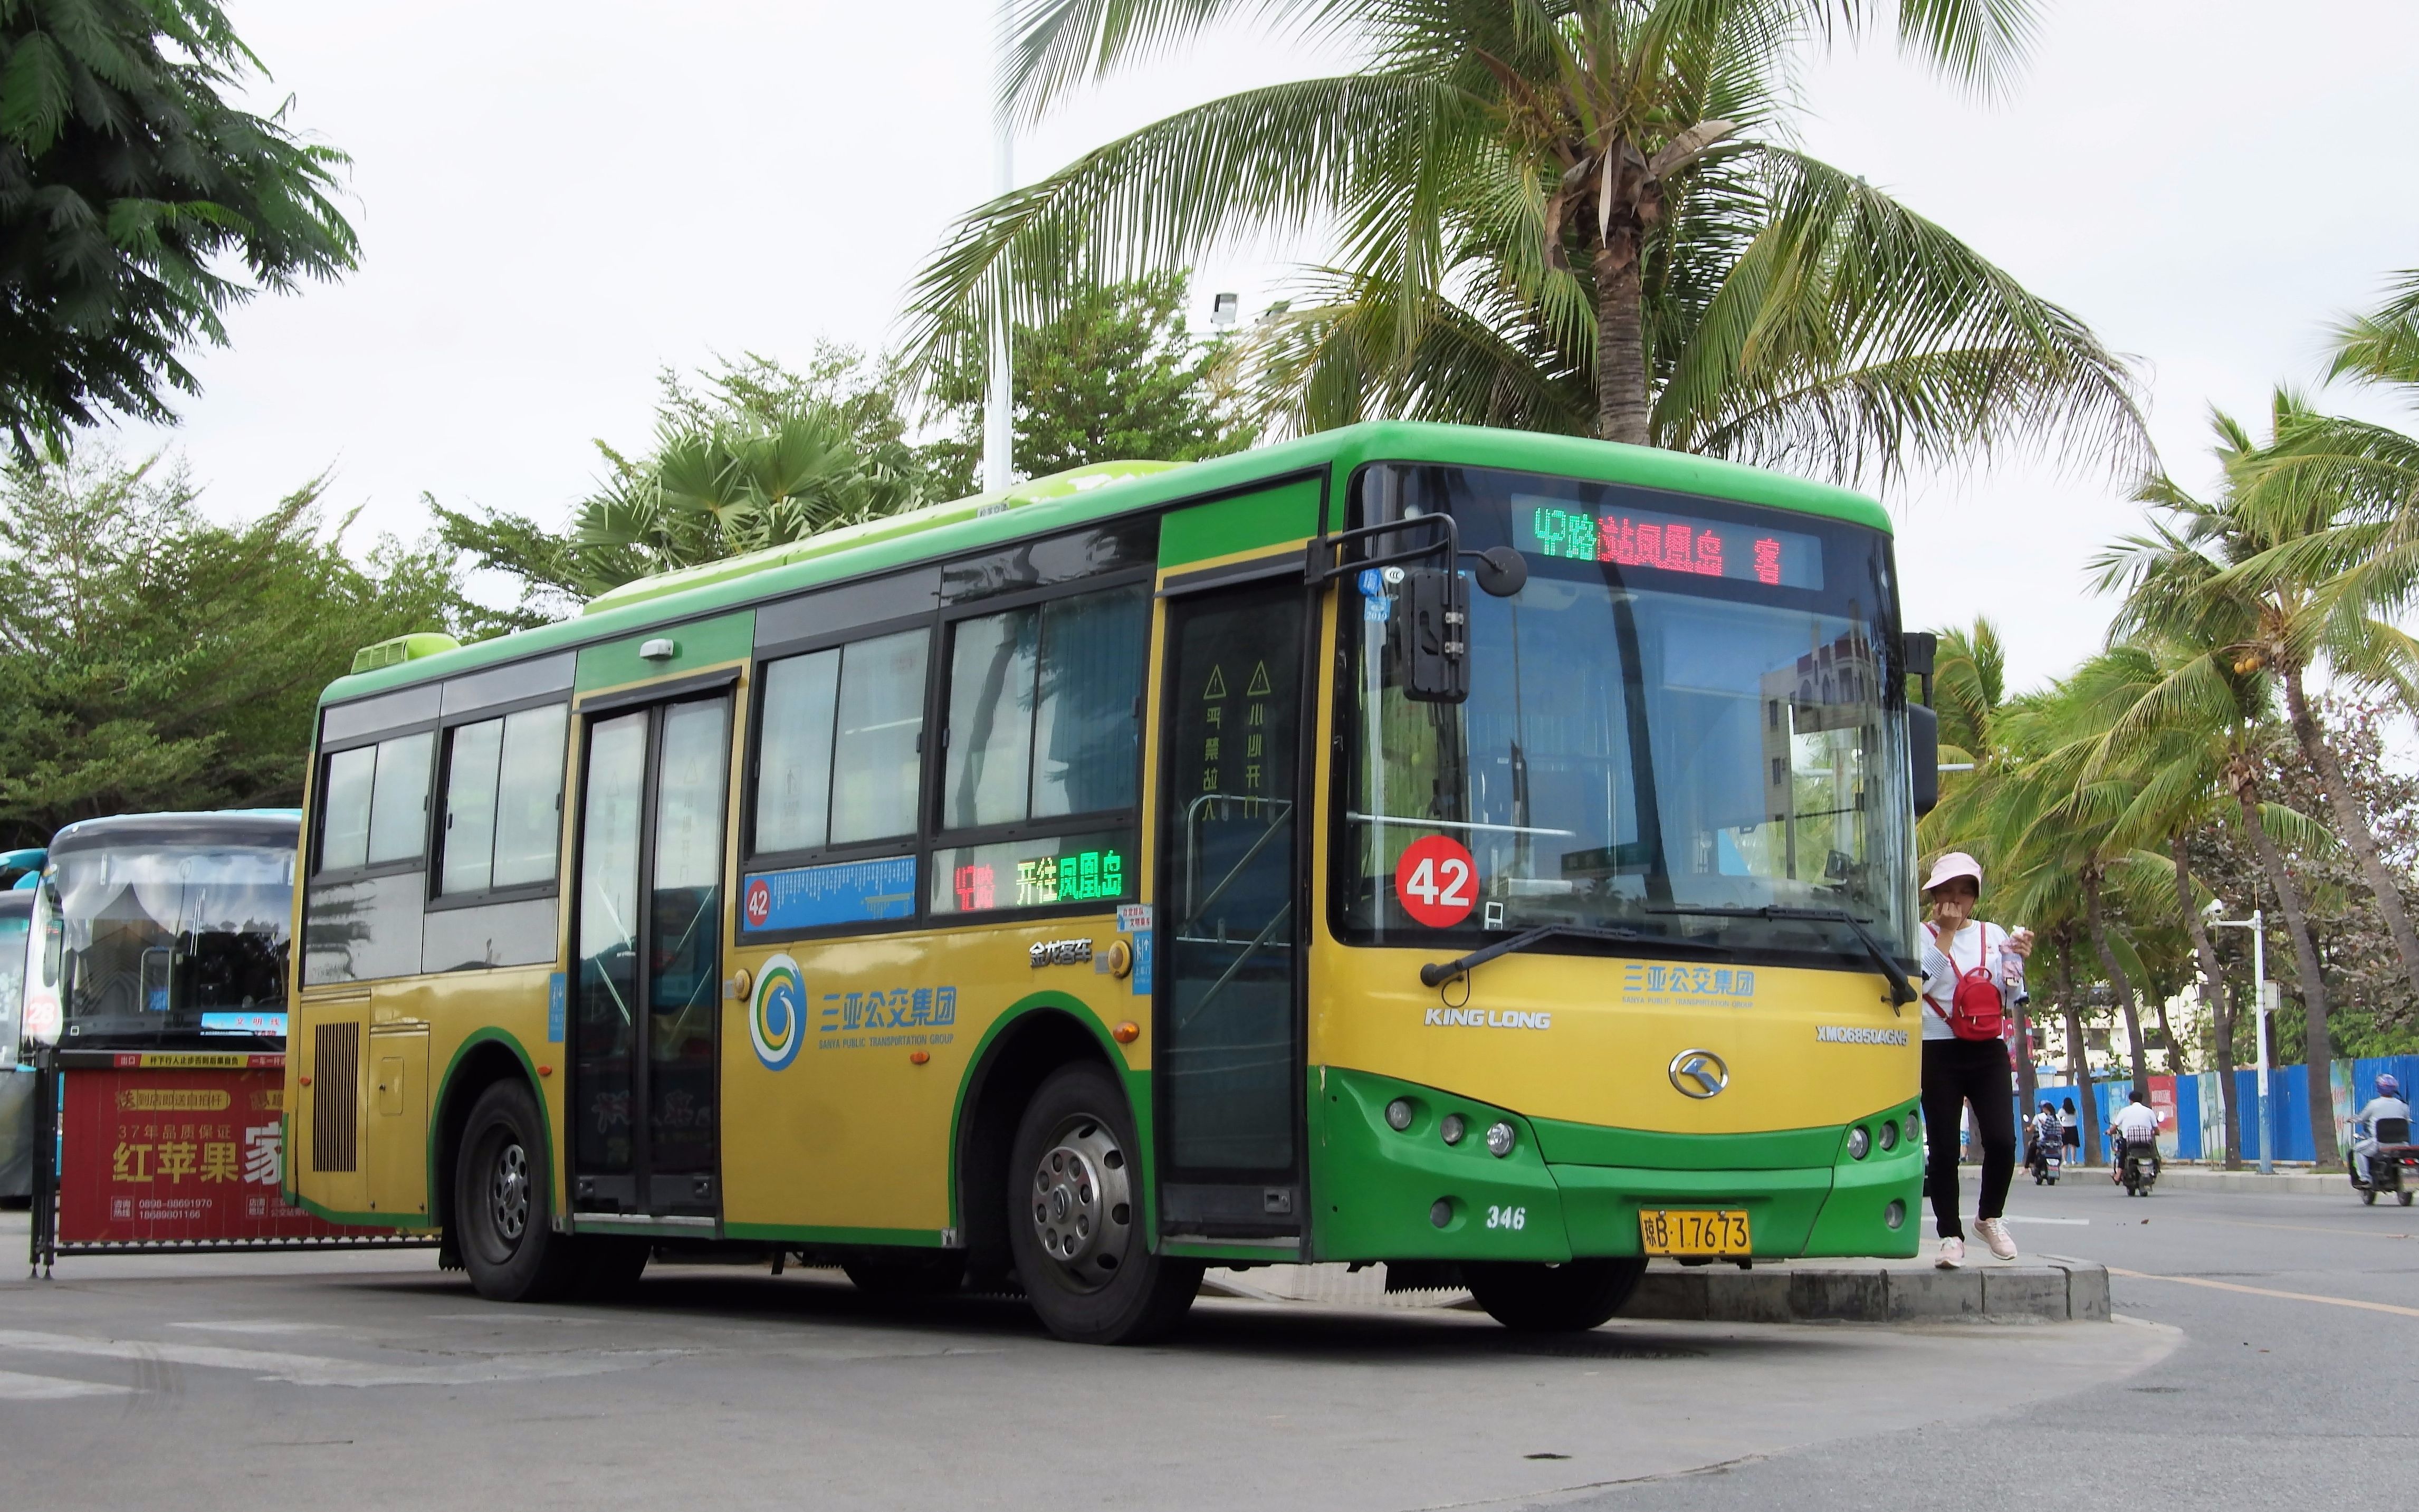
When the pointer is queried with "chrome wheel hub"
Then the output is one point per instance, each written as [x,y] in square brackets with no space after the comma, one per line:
[1082,1202]
[508,1192]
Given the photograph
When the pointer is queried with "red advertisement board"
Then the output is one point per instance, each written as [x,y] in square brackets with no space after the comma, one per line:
[170,1148]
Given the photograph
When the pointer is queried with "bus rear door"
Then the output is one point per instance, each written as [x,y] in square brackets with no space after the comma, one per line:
[645,1118]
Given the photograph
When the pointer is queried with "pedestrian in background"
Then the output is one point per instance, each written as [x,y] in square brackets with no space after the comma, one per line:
[1973,972]
[2068,1129]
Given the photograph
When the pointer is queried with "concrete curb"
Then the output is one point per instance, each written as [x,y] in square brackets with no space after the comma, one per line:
[2057,1291]
[2053,1288]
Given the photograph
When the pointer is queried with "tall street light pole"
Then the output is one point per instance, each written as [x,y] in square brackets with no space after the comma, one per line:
[2259,994]
[999,404]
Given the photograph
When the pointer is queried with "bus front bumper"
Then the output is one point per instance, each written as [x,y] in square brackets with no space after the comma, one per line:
[1380,1194]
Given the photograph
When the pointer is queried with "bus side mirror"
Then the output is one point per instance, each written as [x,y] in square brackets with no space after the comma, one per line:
[1436,636]
[1924,755]
[1501,572]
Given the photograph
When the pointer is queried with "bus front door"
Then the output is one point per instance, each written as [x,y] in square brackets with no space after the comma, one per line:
[1230,995]
[645,1114]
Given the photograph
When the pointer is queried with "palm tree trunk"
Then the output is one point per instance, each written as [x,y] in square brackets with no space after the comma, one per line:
[1621,413]
[2353,824]
[2212,991]
[2313,986]
[2117,979]
[2166,1033]
[2078,1062]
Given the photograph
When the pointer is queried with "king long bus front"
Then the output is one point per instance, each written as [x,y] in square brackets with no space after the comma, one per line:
[1617,940]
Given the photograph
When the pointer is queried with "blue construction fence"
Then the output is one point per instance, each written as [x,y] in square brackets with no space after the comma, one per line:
[2191,1124]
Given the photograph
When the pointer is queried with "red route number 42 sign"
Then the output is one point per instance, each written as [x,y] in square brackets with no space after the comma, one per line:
[1437,881]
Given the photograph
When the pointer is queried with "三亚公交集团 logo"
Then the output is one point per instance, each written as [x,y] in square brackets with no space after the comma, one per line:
[777,1014]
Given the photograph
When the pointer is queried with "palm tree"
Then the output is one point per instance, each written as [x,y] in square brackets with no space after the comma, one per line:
[2187,716]
[1570,215]
[735,484]
[2180,587]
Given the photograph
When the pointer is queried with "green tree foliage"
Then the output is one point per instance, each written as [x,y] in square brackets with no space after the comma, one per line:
[152,658]
[1578,216]
[137,205]
[746,455]
[1117,373]
[749,453]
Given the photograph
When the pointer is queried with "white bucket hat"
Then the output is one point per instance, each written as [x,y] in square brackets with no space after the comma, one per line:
[1951,866]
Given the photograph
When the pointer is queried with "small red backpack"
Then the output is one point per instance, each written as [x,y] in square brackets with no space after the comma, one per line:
[1975,1010]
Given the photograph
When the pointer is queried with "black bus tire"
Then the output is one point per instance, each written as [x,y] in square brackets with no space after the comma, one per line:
[1538,1298]
[504,1204]
[1074,1186]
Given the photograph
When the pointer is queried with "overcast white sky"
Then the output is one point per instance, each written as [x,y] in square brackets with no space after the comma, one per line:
[556,200]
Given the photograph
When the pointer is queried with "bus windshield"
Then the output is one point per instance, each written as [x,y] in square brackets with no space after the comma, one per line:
[1686,717]
[144,943]
[14,927]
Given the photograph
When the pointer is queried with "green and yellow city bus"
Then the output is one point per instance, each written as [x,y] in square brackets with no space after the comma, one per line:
[1481,853]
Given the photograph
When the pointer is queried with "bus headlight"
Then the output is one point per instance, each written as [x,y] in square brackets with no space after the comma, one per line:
[1860,1142]
[1452,1128]
[1499,1140]
[1889,1135]
[1398,1113]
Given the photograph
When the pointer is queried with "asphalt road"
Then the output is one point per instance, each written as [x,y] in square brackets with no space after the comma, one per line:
[372,1381]
[2294,1385]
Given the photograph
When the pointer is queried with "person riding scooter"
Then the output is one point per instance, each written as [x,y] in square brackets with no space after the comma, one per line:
[2044,1144]
[2387,1104]
[2135,1126]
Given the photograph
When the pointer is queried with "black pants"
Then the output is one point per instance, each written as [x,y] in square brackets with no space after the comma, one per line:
[1956,1073]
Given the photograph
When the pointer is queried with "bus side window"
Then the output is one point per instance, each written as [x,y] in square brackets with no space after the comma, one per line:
[1042,710]
[503,790]
[345,809]
[374,804]
[877,757]
[794,767]
[1042,707]
[399,798]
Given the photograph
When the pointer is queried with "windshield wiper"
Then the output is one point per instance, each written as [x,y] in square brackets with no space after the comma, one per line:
[1902,990]
[1443,971]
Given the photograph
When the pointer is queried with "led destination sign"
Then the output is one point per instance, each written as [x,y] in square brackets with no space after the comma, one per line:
[1667,543]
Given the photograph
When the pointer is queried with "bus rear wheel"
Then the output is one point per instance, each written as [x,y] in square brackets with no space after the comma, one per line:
[1537,1298]
[504,1211]
[1074,1217]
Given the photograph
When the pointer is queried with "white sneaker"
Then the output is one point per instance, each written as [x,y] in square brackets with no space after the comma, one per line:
[1994,1233]
[1953,1253]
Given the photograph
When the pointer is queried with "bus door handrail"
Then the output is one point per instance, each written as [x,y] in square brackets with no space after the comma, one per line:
[1193,847]
[1236,965]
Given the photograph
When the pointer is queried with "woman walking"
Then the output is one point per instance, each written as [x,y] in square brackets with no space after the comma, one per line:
[1966,986]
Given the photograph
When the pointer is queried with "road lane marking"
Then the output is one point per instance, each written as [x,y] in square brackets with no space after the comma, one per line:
[260,1325]
[324,1370]
[18,1387]
[2295,1228]
[2267,1291]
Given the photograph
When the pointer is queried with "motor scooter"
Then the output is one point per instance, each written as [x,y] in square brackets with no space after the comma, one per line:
[2393,1167]
[2044,1159]
[2141,1167]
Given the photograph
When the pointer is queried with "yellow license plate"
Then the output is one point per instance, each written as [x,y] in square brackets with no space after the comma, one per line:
[1693,1231]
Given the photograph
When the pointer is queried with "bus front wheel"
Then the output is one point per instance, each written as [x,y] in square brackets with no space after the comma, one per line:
[503,1210]
[1536,1298]
[1074,1217]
